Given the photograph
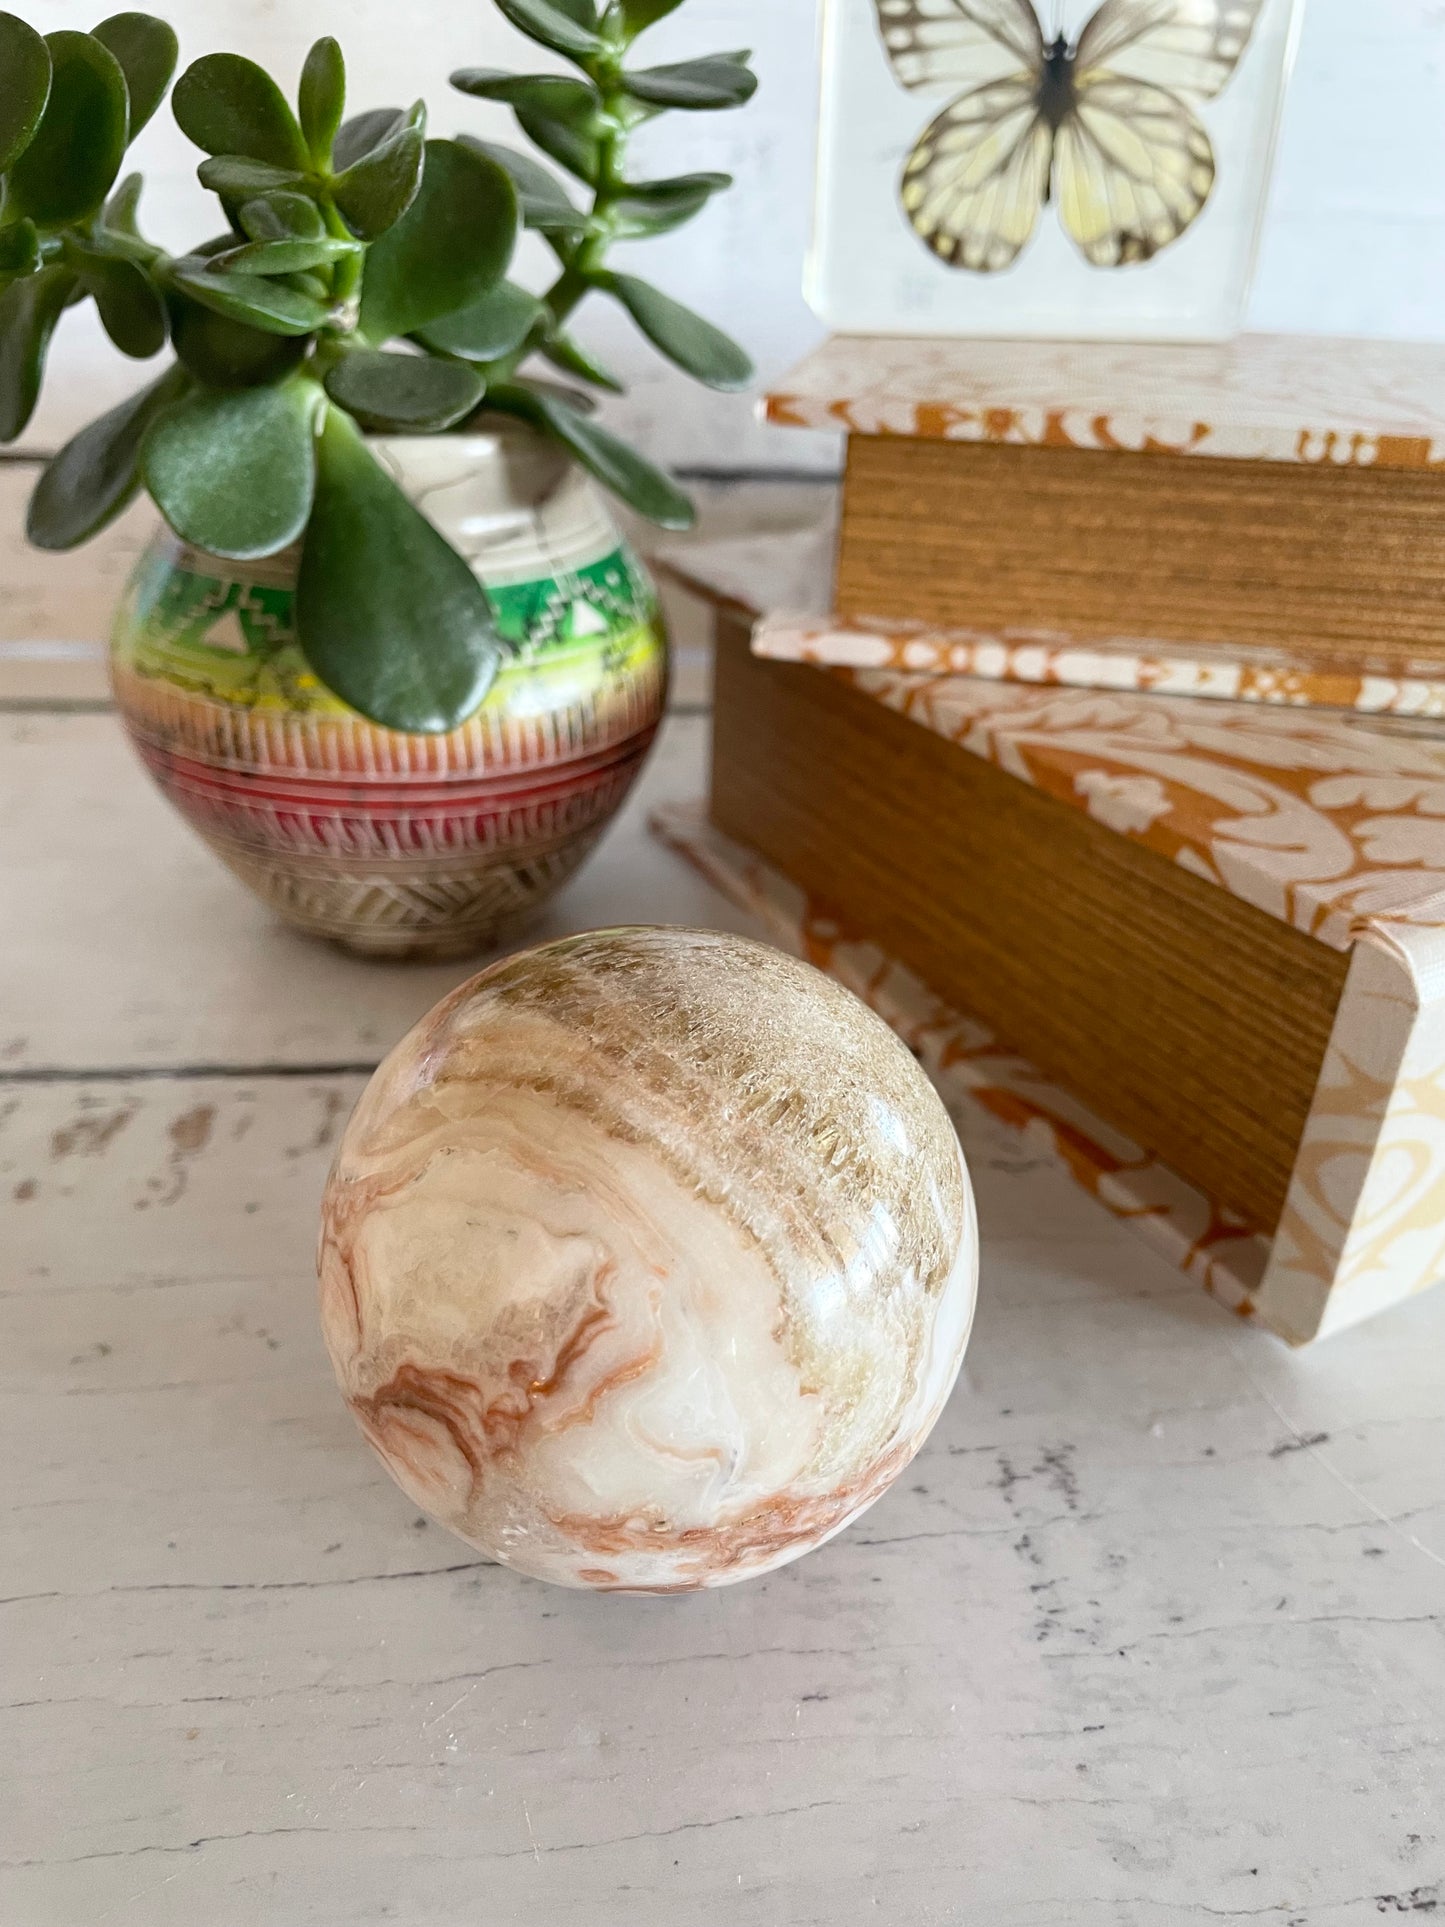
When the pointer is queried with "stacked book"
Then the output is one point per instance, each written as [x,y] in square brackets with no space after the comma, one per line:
[1104,767]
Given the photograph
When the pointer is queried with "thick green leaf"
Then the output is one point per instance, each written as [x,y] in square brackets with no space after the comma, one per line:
[560,115]
[19,248]
[568,355]
[452,244]
[29,310]
[122,209]
[721,81]
[222,353]
[657,207]
[696,346]
[363,132]
[67,169]
[404,394]
[540,195]
[281,216]
[584,12]
[576,101]
[375,191]
[571,141]
[675,188]
[388,615]
[98,471]
[306,281]
[235,473]
[234,177]
[553,24]
[496,325]
[146,49]
[263,304]
[226,104]
[322,98]
[636,16]
[131,308]
[291,256]
[615,465]
[25,64]
[577,399]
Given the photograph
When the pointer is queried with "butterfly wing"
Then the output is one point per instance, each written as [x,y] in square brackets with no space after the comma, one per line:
[1133,168]
[1188,47]
[974,184]
[959,43]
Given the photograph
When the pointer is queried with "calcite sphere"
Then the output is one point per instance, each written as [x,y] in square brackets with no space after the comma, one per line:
[648,1260]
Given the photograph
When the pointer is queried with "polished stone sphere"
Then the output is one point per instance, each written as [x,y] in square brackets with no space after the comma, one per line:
[648,1260]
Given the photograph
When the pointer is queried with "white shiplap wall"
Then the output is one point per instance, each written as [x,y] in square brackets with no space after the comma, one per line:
[1355,241]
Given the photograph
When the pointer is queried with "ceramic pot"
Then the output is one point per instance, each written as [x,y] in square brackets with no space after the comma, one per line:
[390,844]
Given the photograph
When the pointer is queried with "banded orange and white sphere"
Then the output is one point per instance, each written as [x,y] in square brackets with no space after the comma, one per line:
[648,1260]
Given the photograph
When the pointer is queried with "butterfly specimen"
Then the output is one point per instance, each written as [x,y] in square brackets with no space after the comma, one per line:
[1102,125]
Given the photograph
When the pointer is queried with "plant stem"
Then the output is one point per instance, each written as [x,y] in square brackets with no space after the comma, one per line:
[576,278]
[346,275]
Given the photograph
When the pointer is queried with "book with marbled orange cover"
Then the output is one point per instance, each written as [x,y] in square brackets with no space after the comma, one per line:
[1198,949]
[1260,521]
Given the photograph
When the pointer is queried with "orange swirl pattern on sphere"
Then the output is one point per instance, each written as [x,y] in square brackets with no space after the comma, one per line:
[648,1260]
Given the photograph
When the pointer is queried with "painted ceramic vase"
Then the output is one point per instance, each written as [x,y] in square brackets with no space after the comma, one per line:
[390,844]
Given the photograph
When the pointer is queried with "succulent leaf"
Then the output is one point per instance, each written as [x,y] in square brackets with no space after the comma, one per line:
[718,82]
[322,98]
[25,88]
[558,24]
[694,345]
[234,473]
[491,327]
[146,49]
[67,168]
[378,188]
[226,104]
[615,465]
[250,298]
[541,197]
[388,615]
[453,244]
[29,309]
[403,394]
[97,472]
[131,309]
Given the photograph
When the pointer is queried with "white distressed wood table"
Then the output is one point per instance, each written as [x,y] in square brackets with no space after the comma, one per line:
[1151,1632]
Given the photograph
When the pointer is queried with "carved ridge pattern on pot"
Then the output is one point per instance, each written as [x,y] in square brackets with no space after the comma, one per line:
[495,903]
[349,748]
[158,713]
[400,832]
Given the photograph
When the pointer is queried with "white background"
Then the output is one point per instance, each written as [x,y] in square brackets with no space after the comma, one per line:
[1354,242]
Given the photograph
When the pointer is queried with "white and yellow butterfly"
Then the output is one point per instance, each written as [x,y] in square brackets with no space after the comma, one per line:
[1102,126]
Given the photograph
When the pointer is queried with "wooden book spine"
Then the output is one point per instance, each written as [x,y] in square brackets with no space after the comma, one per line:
[1337,569]
[1282,1084]
[1188,1019]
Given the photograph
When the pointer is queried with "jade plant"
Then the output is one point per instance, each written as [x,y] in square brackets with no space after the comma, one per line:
[357,283]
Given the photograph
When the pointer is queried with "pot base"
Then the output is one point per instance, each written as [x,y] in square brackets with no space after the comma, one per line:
[406,912]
